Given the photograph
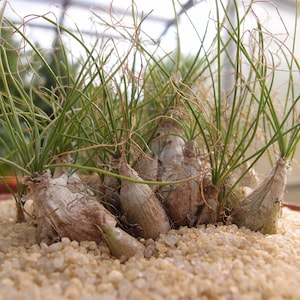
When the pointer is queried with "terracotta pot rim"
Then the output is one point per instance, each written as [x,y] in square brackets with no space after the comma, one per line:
[11,181]
[6,196]
[292,206]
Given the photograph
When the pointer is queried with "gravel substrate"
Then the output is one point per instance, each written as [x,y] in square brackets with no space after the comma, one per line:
[221,262]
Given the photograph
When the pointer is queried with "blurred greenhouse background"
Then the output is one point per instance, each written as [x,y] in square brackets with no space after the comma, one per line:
[278,16]
[159,17]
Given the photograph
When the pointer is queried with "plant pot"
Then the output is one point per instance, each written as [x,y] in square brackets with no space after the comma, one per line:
[7,186]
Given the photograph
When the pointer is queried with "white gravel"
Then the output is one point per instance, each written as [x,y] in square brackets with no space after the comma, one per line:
[200,263]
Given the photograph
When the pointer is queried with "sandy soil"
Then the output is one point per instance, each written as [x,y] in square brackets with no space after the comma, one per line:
[211,262]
